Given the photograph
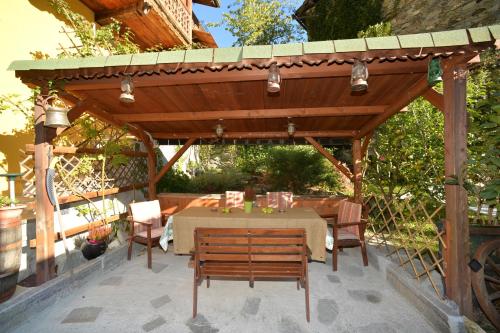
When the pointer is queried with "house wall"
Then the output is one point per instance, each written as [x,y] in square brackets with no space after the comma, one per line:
[410,16]
[25,26]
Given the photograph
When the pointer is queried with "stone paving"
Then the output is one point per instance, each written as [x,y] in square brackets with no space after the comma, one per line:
[132,298]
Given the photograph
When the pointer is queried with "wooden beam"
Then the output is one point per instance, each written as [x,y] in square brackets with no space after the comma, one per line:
[45,260]
[435,98]
[96,194]
[366,142]
[252,114]
[413,92]
[457,251]
[105,16]
[174,159]
[59,150]
[357,159]
[257,135]
[329,157]
[247,74]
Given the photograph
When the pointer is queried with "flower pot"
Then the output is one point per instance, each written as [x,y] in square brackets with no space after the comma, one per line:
[92,249]
[10,249]
[248,207]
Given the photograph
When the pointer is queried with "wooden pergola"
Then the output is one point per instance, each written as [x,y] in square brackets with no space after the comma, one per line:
[183,95]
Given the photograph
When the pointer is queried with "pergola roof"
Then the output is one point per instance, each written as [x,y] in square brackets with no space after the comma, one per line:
[183,94]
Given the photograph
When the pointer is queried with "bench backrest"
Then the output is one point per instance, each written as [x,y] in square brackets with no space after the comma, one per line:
[250,244]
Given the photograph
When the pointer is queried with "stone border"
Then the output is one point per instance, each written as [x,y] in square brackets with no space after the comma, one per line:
[18,309]
[444,315]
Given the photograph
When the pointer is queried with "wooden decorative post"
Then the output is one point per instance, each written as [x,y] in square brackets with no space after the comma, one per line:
[45,261]
[357,169]
[457,252]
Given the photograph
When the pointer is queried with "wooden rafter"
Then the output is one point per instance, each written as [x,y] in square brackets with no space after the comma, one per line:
[435,98]
[256,135]
[252,114]
[413,92]
[253,74]
[329,157]
[174,159]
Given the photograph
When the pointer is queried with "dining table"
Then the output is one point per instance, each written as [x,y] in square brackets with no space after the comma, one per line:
[185,221]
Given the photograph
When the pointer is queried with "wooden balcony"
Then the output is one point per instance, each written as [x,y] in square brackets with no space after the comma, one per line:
[153,22]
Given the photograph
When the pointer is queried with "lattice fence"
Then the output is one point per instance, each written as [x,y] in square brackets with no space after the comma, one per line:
[408,230]
[80,167]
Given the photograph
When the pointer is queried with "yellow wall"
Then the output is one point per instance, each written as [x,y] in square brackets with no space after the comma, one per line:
[25,26]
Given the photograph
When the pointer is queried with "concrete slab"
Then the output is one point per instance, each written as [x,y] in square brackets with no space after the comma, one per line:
[82,315]
[340,302]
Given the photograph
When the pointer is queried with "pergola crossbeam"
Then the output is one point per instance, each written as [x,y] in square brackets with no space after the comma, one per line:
[252,114]
[435,98]
[254,135]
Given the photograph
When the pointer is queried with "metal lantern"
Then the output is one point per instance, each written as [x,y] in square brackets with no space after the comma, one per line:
[127,95]
[291,128]
[56,116]
[219,129]
[434,72]
[359,76]
[273,79]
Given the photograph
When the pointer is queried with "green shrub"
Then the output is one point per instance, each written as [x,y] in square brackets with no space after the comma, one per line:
[219,181]
[174,181]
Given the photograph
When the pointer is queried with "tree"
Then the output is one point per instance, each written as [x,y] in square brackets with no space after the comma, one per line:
[257,22]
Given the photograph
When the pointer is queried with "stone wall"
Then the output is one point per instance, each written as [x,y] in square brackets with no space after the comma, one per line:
[414,16]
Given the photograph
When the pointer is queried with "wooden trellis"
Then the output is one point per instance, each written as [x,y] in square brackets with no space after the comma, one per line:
[408,230]
[77,152]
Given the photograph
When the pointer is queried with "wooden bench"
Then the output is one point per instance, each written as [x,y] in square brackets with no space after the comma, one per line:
[250,253]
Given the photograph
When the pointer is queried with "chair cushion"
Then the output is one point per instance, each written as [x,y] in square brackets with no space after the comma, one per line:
[155,233]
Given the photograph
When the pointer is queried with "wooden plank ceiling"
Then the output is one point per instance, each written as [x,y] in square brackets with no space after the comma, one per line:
[324,106]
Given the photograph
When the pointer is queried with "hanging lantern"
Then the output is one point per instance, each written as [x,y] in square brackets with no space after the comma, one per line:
[359,76]
[56,114]
[127,86]
[434,72]
[290,128]
[219,129]
[273,79]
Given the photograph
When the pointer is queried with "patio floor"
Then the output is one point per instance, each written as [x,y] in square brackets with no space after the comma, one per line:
[131,298]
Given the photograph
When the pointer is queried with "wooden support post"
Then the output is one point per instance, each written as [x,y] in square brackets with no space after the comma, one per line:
[329,157]
[457,251]
[357,169]
[45,261]
[174,159]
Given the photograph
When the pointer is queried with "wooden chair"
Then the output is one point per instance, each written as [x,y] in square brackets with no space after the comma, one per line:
[349,230]
[146,225]
[279,200]
[250,253]
[235,199]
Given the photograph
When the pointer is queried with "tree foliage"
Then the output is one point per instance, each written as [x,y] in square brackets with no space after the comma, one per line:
[341,19]
[257,22]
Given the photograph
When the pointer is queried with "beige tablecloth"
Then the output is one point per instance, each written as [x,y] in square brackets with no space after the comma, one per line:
[188,219]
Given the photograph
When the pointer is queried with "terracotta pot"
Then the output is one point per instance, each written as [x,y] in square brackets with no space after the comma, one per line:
[10,249]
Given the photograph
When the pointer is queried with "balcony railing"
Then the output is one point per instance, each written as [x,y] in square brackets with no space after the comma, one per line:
[179,15]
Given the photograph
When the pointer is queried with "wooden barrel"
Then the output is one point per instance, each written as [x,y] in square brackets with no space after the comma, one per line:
[10,250]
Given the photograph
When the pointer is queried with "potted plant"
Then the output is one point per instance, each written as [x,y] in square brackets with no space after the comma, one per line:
[10,246]
[249,198]
[96,242]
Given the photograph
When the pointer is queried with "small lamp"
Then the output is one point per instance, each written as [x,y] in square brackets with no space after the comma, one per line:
[56,115]
[127,86]
[219,129]
[434,72]
[359,76]
[273,79]
[290,128]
